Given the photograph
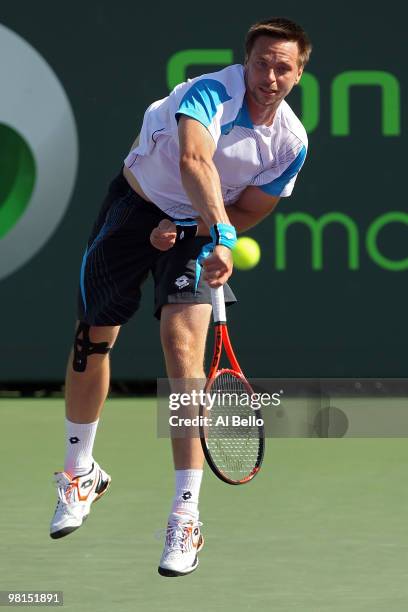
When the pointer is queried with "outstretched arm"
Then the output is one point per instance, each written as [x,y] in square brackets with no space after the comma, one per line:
[199,175]
[201,182]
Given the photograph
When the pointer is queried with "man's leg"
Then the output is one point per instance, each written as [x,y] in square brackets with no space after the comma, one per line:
[116,262]
[87,383]
[183,334]
[86,389]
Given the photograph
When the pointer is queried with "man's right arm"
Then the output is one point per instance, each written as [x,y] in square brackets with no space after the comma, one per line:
[202,184]
[198,172]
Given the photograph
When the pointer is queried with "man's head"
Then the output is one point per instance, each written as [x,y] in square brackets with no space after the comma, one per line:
[280,28]
[276,51]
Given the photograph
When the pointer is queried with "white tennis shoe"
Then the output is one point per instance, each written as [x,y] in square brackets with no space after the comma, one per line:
[183,542]
[76,494]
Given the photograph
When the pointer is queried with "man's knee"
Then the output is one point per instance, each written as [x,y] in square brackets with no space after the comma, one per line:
[180,341]
[85,347]
[188,322]
[183,332]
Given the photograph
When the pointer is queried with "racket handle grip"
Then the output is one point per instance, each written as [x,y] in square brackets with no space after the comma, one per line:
[218,304]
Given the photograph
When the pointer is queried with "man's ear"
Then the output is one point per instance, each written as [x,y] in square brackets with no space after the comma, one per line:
[299,74]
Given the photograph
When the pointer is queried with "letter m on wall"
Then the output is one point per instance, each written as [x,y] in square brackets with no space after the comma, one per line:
[390,100]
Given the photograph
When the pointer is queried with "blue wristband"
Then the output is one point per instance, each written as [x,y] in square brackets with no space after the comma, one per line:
[224,234]
[204,253]
[221,233]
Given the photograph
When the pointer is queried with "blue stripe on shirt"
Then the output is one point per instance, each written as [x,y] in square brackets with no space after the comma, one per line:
[202,100]
[276,186]
[242,119]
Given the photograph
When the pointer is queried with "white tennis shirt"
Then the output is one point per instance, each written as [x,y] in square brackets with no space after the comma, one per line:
[268,157]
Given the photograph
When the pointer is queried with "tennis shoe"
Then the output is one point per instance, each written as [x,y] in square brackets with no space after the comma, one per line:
[183,542]
[76,494]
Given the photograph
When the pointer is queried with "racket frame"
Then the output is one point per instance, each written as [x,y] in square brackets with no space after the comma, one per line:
[222,339]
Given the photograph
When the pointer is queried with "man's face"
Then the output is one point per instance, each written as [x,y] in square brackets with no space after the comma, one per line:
[271,70]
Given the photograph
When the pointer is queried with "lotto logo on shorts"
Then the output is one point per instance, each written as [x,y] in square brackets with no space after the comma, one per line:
[182,281]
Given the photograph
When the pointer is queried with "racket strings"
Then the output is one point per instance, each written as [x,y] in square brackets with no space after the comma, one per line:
[233,439]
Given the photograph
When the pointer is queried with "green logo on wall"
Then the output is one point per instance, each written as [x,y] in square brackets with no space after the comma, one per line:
[38,152]
[316,229]
[17,180]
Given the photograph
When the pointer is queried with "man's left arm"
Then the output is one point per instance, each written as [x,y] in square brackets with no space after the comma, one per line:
[250,209]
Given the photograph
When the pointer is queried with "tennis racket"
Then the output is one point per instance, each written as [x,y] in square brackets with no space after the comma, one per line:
[232,434]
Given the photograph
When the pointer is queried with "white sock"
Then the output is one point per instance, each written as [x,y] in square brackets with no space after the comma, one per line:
[188,484]
[80,441]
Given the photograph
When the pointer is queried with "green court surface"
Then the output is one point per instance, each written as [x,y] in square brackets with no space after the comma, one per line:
[324,527]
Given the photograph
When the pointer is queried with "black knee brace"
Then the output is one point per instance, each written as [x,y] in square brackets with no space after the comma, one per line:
[84,347]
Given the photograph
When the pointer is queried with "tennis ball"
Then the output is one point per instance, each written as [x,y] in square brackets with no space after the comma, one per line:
[246,253]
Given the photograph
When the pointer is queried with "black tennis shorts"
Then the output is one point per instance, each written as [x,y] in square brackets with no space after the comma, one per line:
[119,258]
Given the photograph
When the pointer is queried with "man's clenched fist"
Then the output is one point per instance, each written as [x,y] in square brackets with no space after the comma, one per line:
[218,266]
[164,235]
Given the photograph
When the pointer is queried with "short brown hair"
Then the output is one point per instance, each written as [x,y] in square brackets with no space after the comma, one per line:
[284,29]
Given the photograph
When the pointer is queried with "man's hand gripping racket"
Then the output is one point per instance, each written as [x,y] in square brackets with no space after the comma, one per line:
[233,443]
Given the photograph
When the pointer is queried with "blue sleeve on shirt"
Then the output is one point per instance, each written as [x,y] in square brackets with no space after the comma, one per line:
[276,186]
[202,99]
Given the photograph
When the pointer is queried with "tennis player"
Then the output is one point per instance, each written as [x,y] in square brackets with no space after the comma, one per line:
[212,159]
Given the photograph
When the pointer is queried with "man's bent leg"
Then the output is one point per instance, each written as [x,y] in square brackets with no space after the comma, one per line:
[87,385]
[83,481]
[86,391]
